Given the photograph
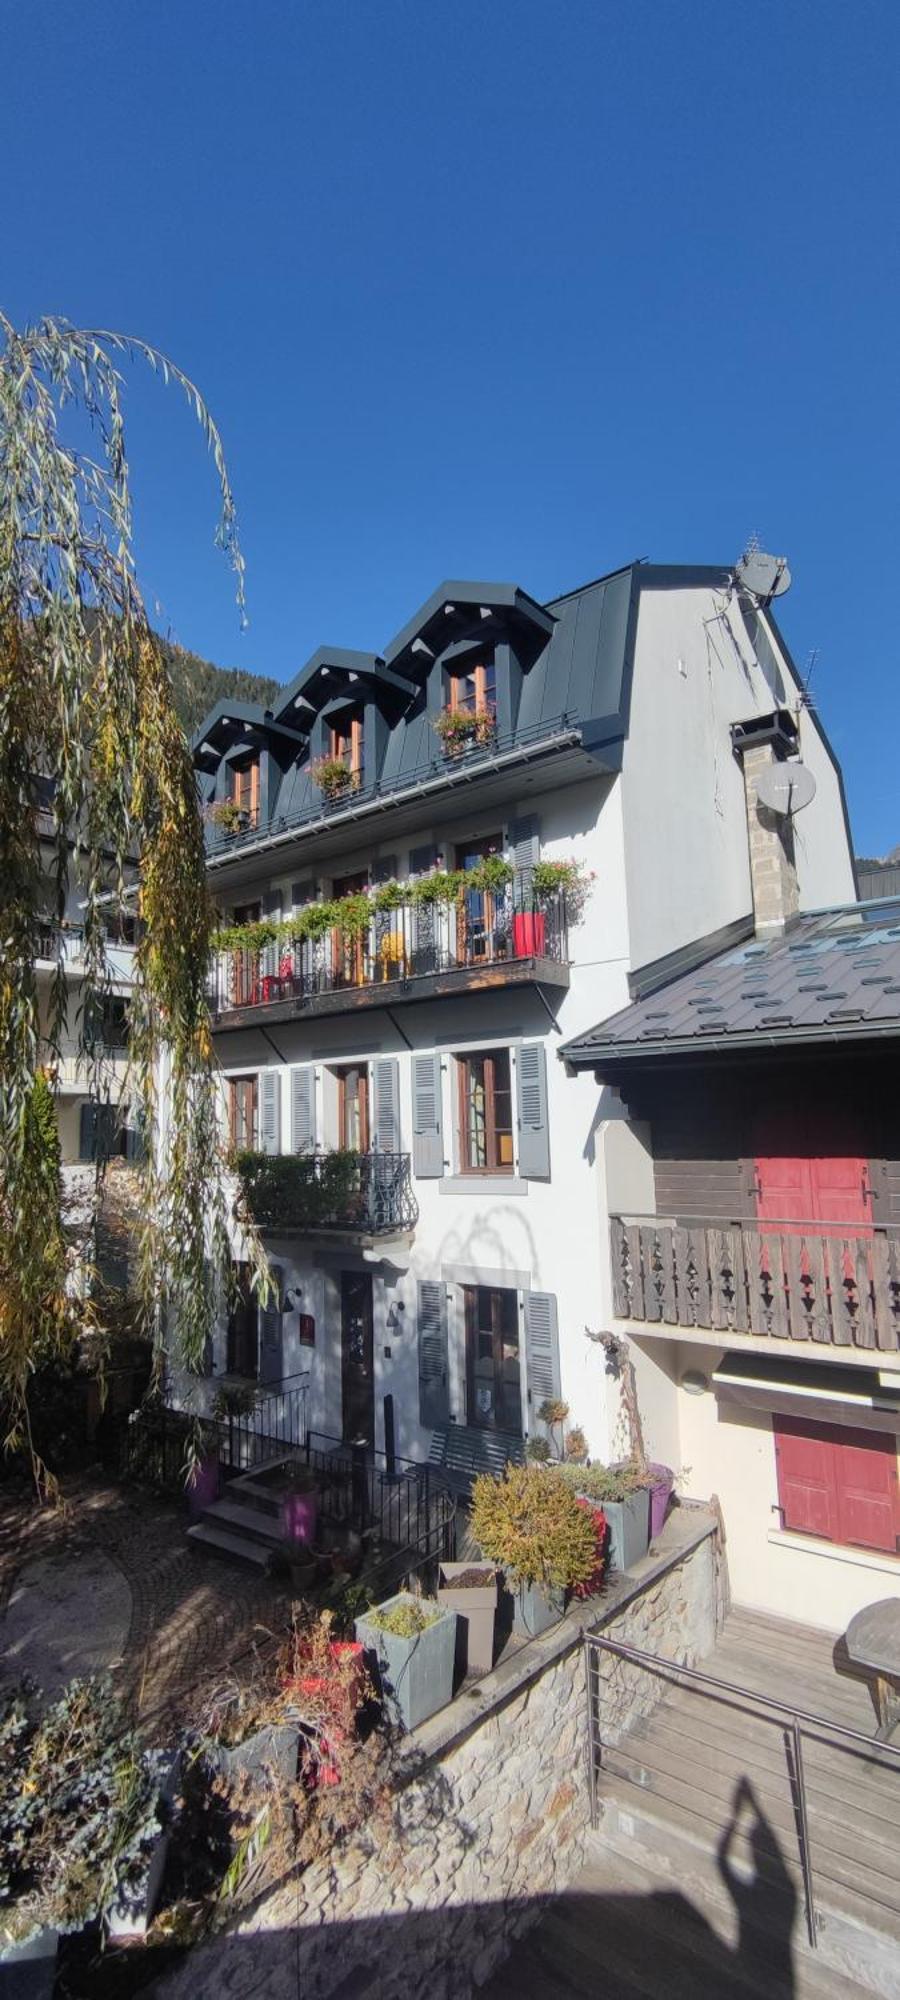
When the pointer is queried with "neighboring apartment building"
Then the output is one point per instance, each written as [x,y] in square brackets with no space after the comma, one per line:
[437,1285]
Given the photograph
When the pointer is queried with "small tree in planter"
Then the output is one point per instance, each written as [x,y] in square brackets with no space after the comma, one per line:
[531,1525]
[414,1643]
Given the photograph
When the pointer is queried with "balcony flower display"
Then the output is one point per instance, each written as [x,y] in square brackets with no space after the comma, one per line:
[334,777]
[462,729]
[228,816]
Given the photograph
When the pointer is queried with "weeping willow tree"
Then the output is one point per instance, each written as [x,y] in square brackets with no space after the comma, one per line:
[85,697]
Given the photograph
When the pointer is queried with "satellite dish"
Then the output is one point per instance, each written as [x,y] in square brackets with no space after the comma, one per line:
[785,788]
[764,576]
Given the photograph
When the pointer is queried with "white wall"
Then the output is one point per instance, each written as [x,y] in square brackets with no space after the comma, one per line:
[686,850]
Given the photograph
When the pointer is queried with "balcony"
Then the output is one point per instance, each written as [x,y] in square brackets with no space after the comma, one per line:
[355,1195]
[838,1287]
[416,951]
[64,945]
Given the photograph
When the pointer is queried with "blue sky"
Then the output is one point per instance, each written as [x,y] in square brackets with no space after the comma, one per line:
[510,291]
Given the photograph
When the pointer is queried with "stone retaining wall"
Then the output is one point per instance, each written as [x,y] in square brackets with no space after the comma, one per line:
[495,1819]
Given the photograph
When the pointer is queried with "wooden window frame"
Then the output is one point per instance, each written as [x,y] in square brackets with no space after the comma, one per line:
[501,1389]
[482,702]
[361,1071]
[347,743]
[246,795]
[489,1058]
[235,1083]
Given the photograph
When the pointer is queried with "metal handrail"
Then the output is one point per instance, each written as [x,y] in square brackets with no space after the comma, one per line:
[801,1722]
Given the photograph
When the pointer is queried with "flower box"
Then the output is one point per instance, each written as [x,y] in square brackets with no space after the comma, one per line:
[535,1609]
[415,1673]
[629,1527]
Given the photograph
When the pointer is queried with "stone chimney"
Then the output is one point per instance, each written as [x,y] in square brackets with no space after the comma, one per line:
[768,739]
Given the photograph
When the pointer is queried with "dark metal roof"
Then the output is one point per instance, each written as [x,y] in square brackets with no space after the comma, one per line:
[831,975]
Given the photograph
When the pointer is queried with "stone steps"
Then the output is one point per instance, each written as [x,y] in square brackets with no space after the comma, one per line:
[244,1520]
[205,1536]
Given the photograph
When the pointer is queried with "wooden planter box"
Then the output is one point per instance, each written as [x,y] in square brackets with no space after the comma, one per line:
[476,1607]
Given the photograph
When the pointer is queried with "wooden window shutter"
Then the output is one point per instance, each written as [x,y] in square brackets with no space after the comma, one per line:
[434,1392]
[542,1377]
[531,1100]
[386,1102]
[270,1110]
[303,1109]
[271,1359]
[428,1129]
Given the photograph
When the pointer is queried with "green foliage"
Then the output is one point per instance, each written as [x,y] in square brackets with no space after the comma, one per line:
[602,1482]
[352,915]
[403,1621]
[531,1523]
[458,728]
[300,1190]
[78,1808]
[334,777]
[85,695]
[538,1450]
[197,685]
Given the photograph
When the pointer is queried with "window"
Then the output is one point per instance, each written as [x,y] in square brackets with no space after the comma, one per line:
[485,1113]
[473,690]
[347,741]
[838,1483]
[493,1380]
[245,788]
[243,1104]
[106,1023]
[353,1108]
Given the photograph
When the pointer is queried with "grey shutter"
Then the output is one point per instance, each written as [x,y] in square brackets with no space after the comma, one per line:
[428,1131]
[270,1110]
[303,1109]
[272,908]
[525,840]
[302,892]
[272,903]
[422,859]
[87,1141]
[531,1096]
[386,1101]
[271,1360]
[542,1376]
[384,869]
[434,1392]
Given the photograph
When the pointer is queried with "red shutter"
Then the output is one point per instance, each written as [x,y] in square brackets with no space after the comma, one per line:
[838,1483]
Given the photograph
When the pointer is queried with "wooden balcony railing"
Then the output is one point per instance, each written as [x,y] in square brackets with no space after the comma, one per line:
[836,1286]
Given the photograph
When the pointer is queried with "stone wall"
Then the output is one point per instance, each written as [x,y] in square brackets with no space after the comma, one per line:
[493,1819]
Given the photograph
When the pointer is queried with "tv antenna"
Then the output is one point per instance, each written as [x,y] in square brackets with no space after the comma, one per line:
[786,788]
[807,699]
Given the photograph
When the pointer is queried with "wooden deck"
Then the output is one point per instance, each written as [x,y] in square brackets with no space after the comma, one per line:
[694,1885]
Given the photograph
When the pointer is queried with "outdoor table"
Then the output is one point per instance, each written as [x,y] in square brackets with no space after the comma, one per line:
[873,1642]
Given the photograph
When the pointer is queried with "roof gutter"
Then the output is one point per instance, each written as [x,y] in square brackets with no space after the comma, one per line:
[636,1052]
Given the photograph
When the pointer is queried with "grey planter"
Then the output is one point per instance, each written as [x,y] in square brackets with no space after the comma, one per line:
[476,1607]
[135,1904]
[276,1745]
[535,1609]
[629,1527]
[416,1675]
[27,1971]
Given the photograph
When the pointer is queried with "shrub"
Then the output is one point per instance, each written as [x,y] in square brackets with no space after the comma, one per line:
[403,1621]
[530,1523]
[603,1482]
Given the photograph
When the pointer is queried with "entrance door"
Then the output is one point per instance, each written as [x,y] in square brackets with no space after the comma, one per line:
[348,954]
[493,1377]
[243,1333]
[357,1358]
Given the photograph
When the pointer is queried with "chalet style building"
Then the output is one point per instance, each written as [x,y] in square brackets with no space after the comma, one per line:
[434,867]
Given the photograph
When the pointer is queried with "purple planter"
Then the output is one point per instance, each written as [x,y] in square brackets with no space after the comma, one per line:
[205,1488]
[299,1515]
[661,1489]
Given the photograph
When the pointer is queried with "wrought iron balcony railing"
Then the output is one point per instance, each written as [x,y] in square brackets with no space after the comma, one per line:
[354,1194]
[415,941]
[827,1283]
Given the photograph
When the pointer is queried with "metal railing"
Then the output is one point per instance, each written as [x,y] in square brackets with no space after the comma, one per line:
[834,1283]
[401,1500]
[413,941]
[796,1724]
[276,1420]
[357,1194]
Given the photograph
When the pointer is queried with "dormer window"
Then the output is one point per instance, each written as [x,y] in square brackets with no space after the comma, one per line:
[244,791]
[472,690]
[346,743]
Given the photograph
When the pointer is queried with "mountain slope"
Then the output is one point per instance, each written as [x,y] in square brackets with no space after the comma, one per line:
[199,685]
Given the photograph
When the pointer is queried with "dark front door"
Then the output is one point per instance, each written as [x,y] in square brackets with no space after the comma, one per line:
[357,1360]
[243,1330]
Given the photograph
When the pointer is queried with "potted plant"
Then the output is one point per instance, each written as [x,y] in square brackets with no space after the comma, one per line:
[299,1508]
[333,777]
[530,1524]
[228,816]
[413,1640]
[460,729]
[326,1681]
[470,1589]
[245,1730]
[625,1499]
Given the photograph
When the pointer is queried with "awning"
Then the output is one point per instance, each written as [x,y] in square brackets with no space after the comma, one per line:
[833,1394]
